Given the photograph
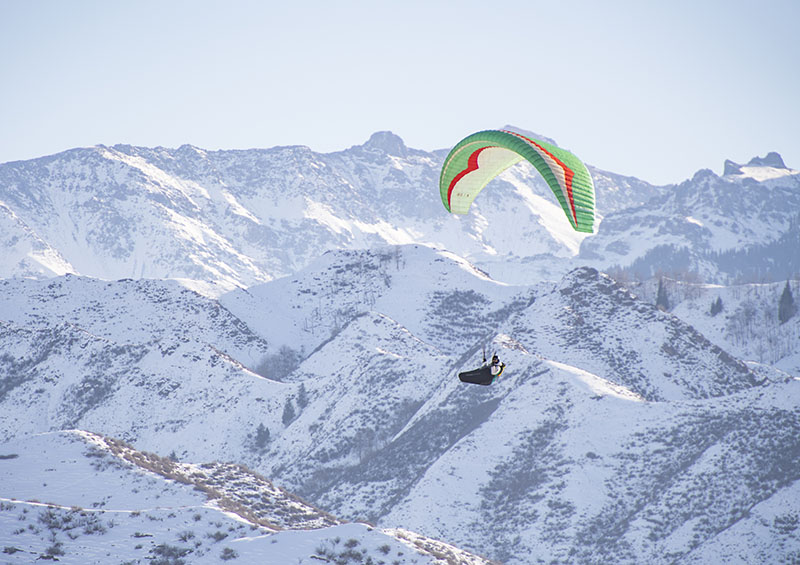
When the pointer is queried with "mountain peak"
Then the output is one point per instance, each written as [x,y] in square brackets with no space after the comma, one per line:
[772,159]
[527,133]
[583,280]
[708,173]
[731,168]
[388,142]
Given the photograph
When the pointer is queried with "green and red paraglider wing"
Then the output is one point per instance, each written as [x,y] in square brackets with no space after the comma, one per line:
[480,157]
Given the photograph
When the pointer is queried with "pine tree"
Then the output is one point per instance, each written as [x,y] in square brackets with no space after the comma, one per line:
[302,397]
[262,436]
[288,412]
[716,306]
[786,307]
[662,302]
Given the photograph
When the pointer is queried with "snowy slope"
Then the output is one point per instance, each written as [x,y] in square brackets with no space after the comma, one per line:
[412,284]
[742,225]
[24,253]
[239,218]
[747,326]
[618,433]
[98,355]
[130,311]
[169,395]
[243,217]
[593,323]
[104,502]
[563,467]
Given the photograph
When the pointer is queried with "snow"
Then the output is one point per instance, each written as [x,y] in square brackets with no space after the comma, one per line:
[324,215]
[551,437]
[598,385]
[549,213]
[99,508]
[244,217]
[618,433]
[762,174]
[767,341]
[55,469]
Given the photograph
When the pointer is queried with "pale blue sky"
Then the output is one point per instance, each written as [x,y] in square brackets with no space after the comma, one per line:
[656,90]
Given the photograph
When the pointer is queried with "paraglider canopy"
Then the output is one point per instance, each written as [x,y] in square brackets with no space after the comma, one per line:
[480,157]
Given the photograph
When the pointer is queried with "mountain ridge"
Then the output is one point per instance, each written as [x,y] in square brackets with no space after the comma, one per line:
[140,507]
[249,215]
[370,421]
[241,217]
[307,314]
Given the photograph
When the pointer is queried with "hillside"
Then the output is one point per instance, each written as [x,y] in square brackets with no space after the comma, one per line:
[747,323]
[743,226]
[102,501]
[239,218]
[618,430]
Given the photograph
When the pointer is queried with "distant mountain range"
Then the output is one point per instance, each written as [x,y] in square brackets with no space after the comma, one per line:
[306,315]
[741,227]
[242,217]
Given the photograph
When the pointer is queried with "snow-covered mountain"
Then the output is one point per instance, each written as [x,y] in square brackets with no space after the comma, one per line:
[745,321]
[243,217]
[105,502]
[238,218]
[619,433]
[306,315]
[151,312]
[741,226]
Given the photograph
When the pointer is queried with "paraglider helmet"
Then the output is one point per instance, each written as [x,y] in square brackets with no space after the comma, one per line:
[495,359]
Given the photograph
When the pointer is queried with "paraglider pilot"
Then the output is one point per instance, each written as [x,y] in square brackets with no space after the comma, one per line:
[496,366]
[486,374]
